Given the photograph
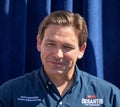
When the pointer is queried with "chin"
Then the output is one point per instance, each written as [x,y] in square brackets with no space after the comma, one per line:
[57,71]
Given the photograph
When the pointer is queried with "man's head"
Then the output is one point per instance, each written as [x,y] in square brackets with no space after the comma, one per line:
[61,41]
[65,18]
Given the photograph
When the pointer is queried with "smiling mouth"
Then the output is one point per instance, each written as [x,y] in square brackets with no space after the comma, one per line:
[57,63]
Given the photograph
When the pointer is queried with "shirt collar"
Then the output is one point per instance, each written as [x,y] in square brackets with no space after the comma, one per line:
[43,76]
[77,73]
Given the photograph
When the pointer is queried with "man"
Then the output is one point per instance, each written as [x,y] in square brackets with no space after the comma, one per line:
[61,41]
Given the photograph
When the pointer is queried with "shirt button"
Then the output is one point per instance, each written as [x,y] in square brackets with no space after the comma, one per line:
[60,103]
[49,82]
[47,86]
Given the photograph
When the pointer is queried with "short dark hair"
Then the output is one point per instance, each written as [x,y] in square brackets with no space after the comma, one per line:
[66,18]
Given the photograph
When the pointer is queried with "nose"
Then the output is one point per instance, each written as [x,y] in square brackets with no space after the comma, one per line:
[58,53]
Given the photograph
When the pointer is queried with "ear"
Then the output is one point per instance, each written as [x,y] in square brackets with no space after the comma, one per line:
[81,51]
[38,43]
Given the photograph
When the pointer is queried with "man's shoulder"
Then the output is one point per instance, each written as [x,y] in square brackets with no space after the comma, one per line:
[98,83]
[21,80]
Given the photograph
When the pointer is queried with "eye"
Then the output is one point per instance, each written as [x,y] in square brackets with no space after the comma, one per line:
[50,44]
[68,47]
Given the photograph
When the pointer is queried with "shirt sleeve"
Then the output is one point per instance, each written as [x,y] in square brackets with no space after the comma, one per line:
[116,97]
[5,95]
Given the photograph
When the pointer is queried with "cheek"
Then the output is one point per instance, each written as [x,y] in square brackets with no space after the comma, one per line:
[45,53]
[71,57]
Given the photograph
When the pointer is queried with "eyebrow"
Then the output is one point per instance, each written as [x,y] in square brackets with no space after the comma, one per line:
[50,40]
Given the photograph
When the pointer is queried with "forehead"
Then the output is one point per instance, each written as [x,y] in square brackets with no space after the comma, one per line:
[63,32]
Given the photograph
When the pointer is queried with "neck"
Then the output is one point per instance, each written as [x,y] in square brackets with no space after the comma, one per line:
[63,83]
[63,88]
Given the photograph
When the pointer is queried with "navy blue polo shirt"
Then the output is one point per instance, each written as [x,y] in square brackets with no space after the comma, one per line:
[36,90]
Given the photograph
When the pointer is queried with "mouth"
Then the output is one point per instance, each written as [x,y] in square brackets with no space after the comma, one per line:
[57,63]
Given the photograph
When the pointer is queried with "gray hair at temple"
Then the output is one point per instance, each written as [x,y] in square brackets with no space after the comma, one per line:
[66,18]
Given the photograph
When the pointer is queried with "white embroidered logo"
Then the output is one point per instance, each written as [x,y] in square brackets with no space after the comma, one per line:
[92,101]
[29,98]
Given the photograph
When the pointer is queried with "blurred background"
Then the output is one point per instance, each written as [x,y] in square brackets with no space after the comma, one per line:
[19,21]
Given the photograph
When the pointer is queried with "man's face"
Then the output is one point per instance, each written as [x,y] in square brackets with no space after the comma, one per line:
[59,49]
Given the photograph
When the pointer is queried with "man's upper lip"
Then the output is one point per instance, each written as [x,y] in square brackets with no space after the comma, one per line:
[57,62]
